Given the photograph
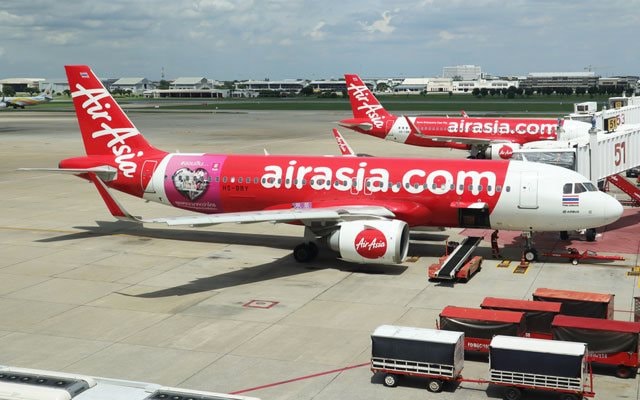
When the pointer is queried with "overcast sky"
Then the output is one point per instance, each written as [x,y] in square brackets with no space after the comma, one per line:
[278,39]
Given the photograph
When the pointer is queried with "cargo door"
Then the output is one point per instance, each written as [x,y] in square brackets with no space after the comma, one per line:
[528,190]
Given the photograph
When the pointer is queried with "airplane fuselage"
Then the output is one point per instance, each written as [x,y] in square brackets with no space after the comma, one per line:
[433,192]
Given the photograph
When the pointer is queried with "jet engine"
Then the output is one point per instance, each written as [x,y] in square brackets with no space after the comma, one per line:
[371,242]
[501,151]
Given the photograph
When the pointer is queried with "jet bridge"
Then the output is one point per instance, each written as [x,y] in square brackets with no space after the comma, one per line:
[612,145]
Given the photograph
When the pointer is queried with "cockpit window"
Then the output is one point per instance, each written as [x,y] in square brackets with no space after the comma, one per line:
[567,188]
[590,186]
[579,188]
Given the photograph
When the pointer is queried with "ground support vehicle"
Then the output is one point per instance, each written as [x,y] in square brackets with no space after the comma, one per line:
[610,342]
[519,364]
[479,325]
[538,315]
[575,256]
[579,304]
[435,355]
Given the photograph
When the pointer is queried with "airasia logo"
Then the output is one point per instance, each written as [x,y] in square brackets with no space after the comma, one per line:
[371,243]
[505,152]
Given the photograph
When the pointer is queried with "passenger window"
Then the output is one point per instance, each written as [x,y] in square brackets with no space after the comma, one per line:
[255,180]
[579,188]
[507,188]
[224,179]
[566,189]
[217,179]
[461,187]
[240,180]
[498,188]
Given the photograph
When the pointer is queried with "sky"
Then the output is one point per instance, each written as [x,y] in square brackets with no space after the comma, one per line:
[316,39]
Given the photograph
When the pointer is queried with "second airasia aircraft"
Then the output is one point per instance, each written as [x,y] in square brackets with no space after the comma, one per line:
[360,207]
[478,135]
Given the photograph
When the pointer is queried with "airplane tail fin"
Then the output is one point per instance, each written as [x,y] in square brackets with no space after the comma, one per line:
[363,103]
[48,92]
[105,128]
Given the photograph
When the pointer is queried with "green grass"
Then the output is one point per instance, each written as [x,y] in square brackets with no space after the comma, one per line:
[492,105]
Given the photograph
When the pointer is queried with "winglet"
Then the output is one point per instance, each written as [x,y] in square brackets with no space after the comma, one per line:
[112,204]
[345,149]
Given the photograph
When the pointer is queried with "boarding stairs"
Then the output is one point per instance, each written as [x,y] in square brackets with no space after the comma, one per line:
[627,187]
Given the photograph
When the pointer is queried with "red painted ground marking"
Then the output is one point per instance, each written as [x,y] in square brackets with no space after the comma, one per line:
[300,378]
[260,304]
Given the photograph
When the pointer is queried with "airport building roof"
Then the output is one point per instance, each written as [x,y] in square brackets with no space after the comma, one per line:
[129,81]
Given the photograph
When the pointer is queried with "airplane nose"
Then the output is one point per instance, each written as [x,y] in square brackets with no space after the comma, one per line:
[612,209]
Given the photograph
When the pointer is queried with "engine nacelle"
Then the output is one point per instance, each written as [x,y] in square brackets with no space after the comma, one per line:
[501,151]
[371,242]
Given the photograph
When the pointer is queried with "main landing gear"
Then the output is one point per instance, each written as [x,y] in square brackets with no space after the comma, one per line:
[589,235]
[305,252]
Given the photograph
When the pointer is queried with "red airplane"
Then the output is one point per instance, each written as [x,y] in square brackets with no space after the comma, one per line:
[362,208]
[480,136]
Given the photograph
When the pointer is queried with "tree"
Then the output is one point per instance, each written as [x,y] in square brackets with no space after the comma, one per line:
[382,87]
[475,92]
[307,91]
[67,92]
[8,90]
[484,92]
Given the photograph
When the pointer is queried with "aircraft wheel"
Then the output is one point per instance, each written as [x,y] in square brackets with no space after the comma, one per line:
[531,254]
[390,380]
[435,385]
[574,261]
[568,396]
[564,235]
[591,234]
[305,252]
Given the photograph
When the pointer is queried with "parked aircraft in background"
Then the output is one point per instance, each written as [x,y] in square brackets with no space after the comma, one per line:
[480,136]
[15,102]
[360,207]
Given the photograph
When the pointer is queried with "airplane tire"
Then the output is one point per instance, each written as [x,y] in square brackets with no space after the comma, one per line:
[530,255]
[305,252]
[564,235]
[591,234]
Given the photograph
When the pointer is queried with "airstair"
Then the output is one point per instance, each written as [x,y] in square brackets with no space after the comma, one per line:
[627,187]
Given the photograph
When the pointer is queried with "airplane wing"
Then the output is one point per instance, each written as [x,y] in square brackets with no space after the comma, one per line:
[340,213]
[106,173]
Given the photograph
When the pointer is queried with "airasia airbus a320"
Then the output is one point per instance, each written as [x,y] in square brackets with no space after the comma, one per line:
[483,137]
[360,207]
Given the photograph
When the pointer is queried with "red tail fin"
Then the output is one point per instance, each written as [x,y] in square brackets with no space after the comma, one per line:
[105,128]
[363,103]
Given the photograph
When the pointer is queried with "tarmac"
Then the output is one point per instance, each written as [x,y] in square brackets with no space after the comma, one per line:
[226,308]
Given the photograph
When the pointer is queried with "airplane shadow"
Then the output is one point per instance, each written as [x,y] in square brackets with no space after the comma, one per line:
[283,267]
[280,268]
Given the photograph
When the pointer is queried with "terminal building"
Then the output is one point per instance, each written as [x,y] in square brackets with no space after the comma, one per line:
[133,85]
[573,80]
